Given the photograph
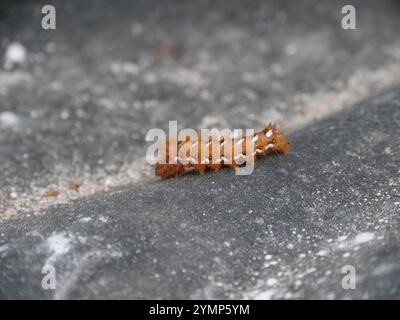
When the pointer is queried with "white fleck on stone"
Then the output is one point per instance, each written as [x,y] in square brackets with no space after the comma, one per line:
[108,181]
[58,244]
[311,270]
[259,220]
[265,295]
[271,282]
[290,246]
[15,55]
[387,150]
[322,253]
[64,115]
[10,119]
[85,219]
[364,237]
[82,239]
[3,248]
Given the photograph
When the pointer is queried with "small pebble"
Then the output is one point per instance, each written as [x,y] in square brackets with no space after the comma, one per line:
[74,184]
[9,119]
[50,193]
[15,55]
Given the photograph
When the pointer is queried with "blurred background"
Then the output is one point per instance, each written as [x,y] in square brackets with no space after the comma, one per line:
[77,101]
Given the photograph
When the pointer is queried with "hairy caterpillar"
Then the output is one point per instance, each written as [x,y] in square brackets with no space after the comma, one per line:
[269,140]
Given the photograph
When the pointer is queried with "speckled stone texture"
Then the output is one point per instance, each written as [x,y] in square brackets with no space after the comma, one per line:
[91,89]
[285,231]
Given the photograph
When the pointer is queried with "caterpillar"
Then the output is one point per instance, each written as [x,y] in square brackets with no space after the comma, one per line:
[267,141]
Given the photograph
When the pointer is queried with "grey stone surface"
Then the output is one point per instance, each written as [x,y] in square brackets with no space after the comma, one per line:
[92,88]
[285,231]
[87,93]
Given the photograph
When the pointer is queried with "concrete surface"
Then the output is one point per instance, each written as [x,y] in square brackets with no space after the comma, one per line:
[285,231]
[80,104]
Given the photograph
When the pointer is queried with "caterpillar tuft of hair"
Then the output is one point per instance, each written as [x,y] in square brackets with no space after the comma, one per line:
[267,141]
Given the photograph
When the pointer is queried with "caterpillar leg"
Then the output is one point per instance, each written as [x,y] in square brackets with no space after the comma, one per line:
[167,171]
[201,168]
[215,167]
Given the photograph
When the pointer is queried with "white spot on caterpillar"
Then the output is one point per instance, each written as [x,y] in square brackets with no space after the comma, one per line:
[255,138]
[240,156]
[268,133]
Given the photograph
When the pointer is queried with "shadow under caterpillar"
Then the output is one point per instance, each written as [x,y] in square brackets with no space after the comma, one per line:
[269,140]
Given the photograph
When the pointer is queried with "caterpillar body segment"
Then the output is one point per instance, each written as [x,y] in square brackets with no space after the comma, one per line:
[218,152]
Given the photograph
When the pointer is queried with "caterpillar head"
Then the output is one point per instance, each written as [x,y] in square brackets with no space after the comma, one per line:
[270,140]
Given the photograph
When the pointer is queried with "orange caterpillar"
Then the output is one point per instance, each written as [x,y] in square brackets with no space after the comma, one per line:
[267,141]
